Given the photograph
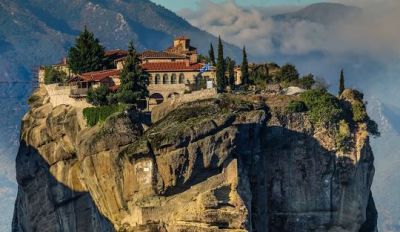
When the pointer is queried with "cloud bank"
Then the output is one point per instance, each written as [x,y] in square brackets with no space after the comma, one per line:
[371,33]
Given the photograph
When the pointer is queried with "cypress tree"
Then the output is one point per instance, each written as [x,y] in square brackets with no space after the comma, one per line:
[133,79]
[341,82]
[221,82]
[211,55]
[230,66]
[245,68]
[87,55]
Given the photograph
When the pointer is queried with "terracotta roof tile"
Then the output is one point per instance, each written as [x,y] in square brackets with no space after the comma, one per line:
[99,75]
[157,54]
[116,52]
[172,66]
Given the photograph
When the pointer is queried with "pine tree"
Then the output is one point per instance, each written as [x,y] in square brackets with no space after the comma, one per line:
[211,55]
[245,68]
[134,81]
[221,80]
[341,82]
[87,55]
[230,66]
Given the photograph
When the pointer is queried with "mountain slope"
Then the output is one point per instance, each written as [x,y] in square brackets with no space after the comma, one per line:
[325,13]
[34,32]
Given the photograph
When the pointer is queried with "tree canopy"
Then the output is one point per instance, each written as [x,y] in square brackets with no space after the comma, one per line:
[87,54]
[211,55]
[245,68]
[230,66]
[341,82]
[221,80]
[288,73]
[134,80]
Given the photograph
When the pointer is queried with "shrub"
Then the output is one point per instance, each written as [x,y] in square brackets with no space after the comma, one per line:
[359,111]
[95,115]
[322,106]
[52,76]
[296,107]
[98,96]
[372,128]
[343,136]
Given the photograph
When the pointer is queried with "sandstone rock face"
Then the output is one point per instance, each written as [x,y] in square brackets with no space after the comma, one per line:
[213,165]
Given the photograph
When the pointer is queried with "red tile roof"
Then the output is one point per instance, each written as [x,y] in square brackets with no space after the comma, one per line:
[157,54]
[99,75]
[171,66]
[116,52]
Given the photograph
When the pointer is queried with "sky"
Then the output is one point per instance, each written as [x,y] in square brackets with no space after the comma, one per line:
[177,5]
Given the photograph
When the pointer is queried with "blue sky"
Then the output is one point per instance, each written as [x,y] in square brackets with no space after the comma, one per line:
[176,5]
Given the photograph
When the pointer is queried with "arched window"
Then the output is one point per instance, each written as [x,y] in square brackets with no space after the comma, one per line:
[158,79]
[173,79]
[151,80]
[181,78]
[165,79]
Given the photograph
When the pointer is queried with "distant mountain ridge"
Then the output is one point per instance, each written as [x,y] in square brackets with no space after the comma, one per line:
[323,13]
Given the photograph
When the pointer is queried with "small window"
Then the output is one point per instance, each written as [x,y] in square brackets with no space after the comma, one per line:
[165,79]
[181,78]
[158,79]
[173,79]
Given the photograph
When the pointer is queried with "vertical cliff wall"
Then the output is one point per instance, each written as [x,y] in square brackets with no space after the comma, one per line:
[224,164]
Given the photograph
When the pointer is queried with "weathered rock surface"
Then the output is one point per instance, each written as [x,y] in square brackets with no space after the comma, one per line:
[215,165]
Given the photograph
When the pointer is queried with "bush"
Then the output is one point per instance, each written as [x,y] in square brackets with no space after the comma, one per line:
[95,115]
[98,96]
[359,111]
[343,136]
[372,128]
[296,107]
[322,106]
[52,76]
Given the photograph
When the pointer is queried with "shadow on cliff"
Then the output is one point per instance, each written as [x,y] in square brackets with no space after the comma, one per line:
[298,185]
[45,204]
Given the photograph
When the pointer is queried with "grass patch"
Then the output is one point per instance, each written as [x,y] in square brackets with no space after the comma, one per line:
[95,115]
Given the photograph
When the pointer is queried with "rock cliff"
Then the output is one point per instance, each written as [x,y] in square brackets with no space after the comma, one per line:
[223,164]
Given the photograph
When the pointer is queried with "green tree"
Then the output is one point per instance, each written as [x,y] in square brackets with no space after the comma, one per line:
[341,82]
[245,68]
[87,55]
[288,73]
[221,80]
[307,81]
[52,75]
[211,55]
[230,66]
[259,75]
[134,80]
[98,96]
